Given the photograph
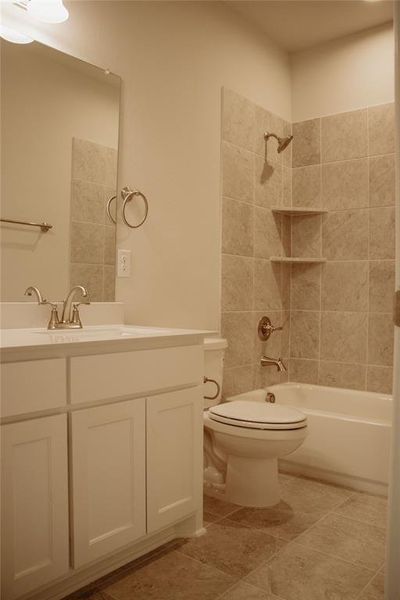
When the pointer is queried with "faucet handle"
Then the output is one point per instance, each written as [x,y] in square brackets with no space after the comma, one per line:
[265,328]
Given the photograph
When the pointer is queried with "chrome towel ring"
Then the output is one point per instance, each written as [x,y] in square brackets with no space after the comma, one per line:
[109,209]
[127,195]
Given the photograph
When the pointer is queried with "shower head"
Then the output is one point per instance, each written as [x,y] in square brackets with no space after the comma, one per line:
[283,142]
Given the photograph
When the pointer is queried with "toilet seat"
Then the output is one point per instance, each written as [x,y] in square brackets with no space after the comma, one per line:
[257,415]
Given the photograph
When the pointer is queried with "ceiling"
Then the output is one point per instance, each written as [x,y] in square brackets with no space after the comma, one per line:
[298,24]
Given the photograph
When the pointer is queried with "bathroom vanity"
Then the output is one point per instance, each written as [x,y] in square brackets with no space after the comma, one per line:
[101,451]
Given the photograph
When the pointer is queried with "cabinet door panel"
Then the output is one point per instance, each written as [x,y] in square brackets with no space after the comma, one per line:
[174,456]
[34,504]
[108,478]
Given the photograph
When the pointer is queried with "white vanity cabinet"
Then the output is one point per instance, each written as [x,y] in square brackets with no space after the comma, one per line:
[108,478]
[35,544]
[100,466]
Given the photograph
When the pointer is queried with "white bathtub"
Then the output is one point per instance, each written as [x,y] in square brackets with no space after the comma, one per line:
[348,440]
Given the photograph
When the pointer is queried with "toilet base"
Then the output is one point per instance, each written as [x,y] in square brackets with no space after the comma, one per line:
[252,481]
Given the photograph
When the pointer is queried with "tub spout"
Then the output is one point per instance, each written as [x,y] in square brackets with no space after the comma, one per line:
[266,361]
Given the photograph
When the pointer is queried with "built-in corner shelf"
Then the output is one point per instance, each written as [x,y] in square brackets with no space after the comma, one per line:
[292,211]
[296,259]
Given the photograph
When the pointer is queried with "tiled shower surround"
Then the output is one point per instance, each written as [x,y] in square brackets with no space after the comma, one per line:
[337,315]
[92,235]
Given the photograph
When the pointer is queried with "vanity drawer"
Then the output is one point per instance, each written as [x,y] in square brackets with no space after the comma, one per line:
[126,373]
[32,386]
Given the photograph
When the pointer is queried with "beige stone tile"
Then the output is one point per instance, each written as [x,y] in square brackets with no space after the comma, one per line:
[109,284]
[382,232]
[268,187]
[237,380]
[381,129]
[306,186]
[381,180]
[345,184]
[310,496]
[87,202]
[344,136]
[169,577]
[306,236]
[342,375]
[109,244]
[304,334]
[237,173]
[287,154]
[366,509]
[305,292]
[355,542]
[267,376]
[237,283]
[209,518]
[286,186]
[279,521]
[237,227]
[232,548]
[87,243]
[301,573]
[303,370]
[285,334]
[218,507]
[93,162]
[263,120]
[267,233]
[376,589]
[273,346]
[345,286]
[345,235]
[237,328]
[244,591]
[90,276]
[267,285]
[306,143]
[344,337]
[287,236]
[238,120]
[380,379]
[381,285]
[380,339]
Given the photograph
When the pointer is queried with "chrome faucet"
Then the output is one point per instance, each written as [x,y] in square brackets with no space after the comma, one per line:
[70,318]
[266,361]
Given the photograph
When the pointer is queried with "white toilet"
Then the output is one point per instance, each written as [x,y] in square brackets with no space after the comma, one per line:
[243,439]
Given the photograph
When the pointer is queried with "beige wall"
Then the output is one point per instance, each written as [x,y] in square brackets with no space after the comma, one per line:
[173,59]
[349,73]
[46,101]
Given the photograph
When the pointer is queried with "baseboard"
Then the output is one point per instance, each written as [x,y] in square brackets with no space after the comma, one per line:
[348,481]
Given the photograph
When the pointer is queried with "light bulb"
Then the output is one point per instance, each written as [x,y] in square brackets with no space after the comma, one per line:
[12,35]
[48,11]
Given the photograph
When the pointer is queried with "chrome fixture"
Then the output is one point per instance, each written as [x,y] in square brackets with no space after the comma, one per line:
[43,226]
[70,318]
[265,328]
[127,194]
[270,397]
[283,142]
[218,388]
[266,361]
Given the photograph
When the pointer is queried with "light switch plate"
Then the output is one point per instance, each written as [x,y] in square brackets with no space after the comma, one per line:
[124,263]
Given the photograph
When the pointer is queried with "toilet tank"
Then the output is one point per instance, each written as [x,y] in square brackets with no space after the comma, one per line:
[214,350]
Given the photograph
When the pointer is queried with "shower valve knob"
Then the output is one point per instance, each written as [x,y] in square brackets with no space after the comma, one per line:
[265,328]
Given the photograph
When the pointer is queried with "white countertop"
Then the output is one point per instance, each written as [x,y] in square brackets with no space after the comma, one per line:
[92,339]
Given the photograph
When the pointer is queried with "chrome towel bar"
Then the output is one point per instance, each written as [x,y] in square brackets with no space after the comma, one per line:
[127,195]
[43,226]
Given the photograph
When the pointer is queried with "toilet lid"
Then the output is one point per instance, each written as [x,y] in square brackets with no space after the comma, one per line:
[258,415]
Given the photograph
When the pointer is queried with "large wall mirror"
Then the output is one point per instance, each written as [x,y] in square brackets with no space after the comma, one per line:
[59,128]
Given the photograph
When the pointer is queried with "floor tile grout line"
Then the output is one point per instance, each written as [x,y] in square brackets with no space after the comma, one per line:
[359,596]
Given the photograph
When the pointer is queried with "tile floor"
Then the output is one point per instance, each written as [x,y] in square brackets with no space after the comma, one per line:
[320,543]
